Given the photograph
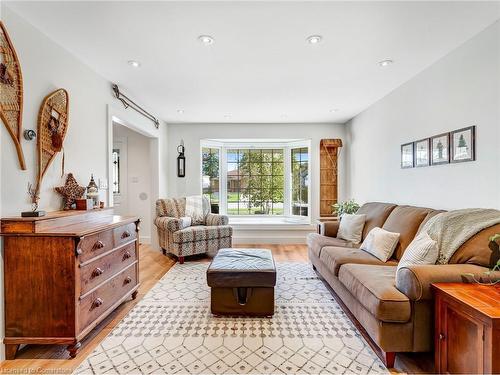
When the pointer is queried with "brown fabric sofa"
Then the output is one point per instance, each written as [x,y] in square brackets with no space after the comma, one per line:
[397,313]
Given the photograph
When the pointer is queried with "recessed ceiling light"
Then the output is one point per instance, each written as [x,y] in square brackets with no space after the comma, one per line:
[334,110]
[386,62]
[314,39]
[134,63]
[180,111]
[206,39]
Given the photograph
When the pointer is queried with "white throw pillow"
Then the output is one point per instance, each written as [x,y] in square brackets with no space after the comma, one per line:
[380,243]
[422,250]
[351,227]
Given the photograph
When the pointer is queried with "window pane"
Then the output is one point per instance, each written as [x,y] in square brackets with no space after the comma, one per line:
[232,156]
[257,174]
[278,155]
[210,176]
[300,181]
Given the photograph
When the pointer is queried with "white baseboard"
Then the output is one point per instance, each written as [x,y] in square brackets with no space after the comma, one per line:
[146,240]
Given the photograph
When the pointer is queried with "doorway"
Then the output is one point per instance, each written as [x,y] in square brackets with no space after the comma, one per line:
[131,177]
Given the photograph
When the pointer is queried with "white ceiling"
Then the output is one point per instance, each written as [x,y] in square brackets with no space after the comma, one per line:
[260,68]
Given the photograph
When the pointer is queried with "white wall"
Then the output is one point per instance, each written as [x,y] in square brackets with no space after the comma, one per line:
[193,133]
[138,178]
[47,66]
[461,89]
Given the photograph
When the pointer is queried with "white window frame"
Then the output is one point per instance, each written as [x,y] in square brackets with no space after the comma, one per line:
[286,145]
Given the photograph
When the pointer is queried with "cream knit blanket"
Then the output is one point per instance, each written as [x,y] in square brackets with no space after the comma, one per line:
[452,229]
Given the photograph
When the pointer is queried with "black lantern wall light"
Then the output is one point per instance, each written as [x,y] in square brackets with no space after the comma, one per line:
[181,161]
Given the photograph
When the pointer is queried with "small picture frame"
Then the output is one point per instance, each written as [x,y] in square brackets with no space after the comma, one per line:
[463,144]
[407,157]
[440,149]
[422,153]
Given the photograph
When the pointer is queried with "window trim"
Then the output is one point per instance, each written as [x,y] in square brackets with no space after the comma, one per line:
[287,146]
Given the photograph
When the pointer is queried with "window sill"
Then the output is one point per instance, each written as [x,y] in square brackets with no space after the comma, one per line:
[271,223]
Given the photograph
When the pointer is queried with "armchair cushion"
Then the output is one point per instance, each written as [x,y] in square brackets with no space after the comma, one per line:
[172,224]
[202,233]
[415,280]
[215,219]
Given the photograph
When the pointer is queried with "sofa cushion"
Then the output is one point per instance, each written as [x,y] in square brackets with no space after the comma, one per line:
[200,233]
[335,257]
[476,251]
[316,242]
[351,227]
[405,220]
[380,243]
[374,287]
[376,214]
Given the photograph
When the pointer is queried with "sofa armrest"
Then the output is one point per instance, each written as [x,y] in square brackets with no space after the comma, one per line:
[329,228]
[172,224]
[216,219]
[415,281]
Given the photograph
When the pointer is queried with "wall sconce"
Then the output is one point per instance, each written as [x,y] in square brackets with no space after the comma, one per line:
[181,161]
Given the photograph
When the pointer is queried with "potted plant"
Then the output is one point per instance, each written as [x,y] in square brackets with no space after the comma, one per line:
[495,261]
[346,207]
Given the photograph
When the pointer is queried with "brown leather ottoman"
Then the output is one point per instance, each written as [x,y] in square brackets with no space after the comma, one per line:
[242,282]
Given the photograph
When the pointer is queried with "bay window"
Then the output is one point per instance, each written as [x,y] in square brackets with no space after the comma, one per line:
[264,178]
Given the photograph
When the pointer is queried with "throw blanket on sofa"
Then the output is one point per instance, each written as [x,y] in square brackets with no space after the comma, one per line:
[194,209]
[452,229]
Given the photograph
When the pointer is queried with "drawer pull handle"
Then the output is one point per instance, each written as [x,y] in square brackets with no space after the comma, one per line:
[99,245]
[98,302]
[127,280]
[97,272]
[441,336]
[126,234]
[127,255]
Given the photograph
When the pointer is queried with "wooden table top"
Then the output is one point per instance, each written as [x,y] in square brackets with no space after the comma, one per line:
[64,223]
[483,298]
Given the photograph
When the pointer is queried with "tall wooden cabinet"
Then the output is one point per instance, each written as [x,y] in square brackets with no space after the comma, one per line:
[467,328]
[64,273]
[328,179]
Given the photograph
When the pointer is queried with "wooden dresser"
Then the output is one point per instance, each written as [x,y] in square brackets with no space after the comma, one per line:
[467,328]
[64,273]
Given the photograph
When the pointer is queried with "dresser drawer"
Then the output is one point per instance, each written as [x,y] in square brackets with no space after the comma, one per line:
[101,269]
[96,303]
[124,234]
[94,245]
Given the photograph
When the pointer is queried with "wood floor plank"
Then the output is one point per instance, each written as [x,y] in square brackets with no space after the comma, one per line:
[153,265]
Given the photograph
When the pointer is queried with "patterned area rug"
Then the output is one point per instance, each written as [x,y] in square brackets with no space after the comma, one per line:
[171,331]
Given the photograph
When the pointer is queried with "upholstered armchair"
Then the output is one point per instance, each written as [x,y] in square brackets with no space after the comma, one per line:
[180,236]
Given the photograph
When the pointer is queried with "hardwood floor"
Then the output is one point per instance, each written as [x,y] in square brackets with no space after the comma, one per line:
[153,265]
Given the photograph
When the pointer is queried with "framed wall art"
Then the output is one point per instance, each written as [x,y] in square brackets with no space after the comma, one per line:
[440,149]
[407,160]
[463,144]
[422,153]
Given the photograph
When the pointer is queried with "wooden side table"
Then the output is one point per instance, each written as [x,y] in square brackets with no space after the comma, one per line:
[467,328]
